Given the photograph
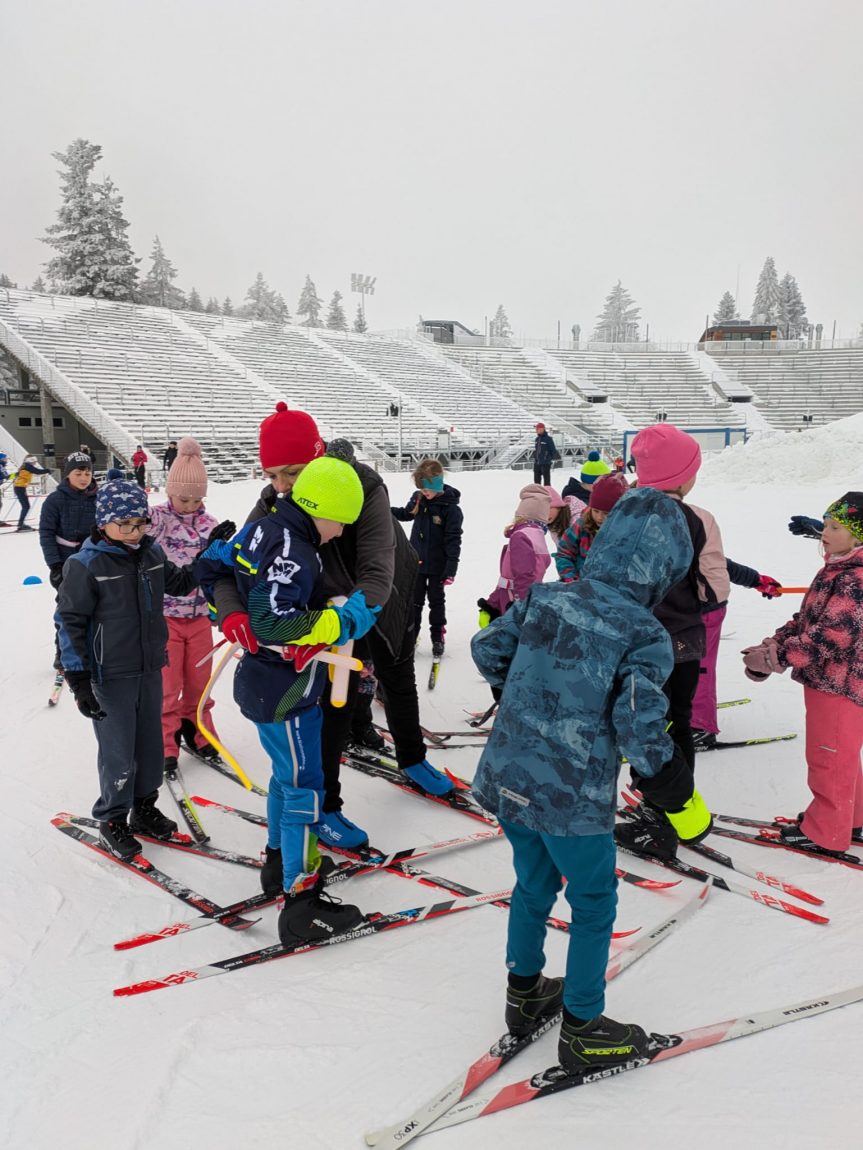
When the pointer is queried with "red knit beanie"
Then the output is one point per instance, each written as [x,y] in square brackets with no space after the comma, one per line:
[289,437]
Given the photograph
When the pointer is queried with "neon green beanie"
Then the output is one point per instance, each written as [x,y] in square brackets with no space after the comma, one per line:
[329,488]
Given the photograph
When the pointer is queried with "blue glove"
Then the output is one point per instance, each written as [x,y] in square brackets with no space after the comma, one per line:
[355,618]
[801,525]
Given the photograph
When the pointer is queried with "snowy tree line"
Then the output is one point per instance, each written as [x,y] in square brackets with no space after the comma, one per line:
[94,257]
[777,301]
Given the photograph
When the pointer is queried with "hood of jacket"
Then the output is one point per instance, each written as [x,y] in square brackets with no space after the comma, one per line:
[643,549]
[524,525]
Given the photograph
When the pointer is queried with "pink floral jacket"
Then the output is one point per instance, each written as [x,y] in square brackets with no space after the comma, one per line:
[181,538]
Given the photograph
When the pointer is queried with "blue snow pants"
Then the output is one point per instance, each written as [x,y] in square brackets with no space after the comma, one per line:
[588,861]
[296,790]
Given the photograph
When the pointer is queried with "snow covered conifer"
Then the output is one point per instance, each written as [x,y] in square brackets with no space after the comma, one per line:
[212,307]
[158,288]
[765,306]
[500,327]
[727,309]
[194,301]
[227,306]
[791,315]
[263,303]
[38,286]
[359,325]
[336,319]
[6,282]
[310,304]
[618,322]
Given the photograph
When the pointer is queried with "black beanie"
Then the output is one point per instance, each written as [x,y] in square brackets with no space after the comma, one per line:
[77,461]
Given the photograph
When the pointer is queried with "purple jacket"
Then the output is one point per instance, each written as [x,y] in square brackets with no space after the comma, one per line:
[523,562]
[181,538]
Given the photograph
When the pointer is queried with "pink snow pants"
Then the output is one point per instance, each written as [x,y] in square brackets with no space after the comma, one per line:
[182,682]
[704,716]
[834,739]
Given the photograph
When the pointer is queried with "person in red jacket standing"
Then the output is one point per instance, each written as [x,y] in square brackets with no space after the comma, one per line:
[139,463]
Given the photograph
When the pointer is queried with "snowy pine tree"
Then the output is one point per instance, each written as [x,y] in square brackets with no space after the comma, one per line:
[499,326]
[727,309]
[158,288]
[263,303]
[212,307]
[618,322]
[765,306]
[791,315]
[310,304]
[359,325]
[91,238]
[227,306]
[38,286]
[6,282]
[194,301]
[336,319]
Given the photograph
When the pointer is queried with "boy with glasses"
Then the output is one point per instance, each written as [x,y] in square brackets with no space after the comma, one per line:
[113,638]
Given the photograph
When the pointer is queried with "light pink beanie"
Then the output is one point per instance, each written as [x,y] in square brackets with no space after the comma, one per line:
[188,476]
[535,503]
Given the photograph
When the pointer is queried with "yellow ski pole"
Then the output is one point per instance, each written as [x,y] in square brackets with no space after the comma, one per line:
[199,717]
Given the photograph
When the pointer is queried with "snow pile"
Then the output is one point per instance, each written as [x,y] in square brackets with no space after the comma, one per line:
[830,454]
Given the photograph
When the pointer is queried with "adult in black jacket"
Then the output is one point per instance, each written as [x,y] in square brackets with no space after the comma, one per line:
[544,454]
[170,455]
[67,517]
[371,555]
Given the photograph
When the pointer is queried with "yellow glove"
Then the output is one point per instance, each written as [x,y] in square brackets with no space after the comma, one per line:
[484,619]
[693,822]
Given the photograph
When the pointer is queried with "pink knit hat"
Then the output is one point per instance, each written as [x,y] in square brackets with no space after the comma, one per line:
[557,501]
[665,457]
[607,490]
[534,503]
[188,476]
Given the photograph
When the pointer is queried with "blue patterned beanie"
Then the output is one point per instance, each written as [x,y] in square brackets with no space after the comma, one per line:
[119,500]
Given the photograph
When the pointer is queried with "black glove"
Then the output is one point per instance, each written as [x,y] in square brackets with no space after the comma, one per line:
[227,529]
[802,525]
[56,576]
[85,699]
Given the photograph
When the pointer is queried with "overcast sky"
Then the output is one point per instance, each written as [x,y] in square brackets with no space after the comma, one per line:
[466,152]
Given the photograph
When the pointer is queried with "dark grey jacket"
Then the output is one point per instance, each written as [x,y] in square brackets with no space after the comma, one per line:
[371,554]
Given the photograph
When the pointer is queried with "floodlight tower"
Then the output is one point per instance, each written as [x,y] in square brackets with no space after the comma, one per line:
[363,286]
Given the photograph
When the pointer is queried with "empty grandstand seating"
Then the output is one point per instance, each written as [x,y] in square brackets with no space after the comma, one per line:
[791,385]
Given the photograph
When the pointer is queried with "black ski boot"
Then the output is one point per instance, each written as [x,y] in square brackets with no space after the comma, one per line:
[369,737]
[147,819]
[703,740]
[524,1008]
[170,765]
[598,1042]
[793,836]
[271,871]
[650,834]
[116,838]
[313,915]
[438,648]
[187,733]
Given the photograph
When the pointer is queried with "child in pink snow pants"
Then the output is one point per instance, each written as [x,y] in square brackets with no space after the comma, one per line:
[823,644]
[181,525]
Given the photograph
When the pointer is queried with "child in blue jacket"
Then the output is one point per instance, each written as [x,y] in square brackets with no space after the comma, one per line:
[436,537]
[277,569]
[582,666]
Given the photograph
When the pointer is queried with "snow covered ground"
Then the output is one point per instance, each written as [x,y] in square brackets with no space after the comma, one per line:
[315,1050]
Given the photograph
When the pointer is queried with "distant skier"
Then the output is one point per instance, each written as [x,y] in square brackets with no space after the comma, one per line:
[139,465]
[23,479]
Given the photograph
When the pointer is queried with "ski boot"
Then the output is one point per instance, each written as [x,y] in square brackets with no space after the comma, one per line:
[147,819]
[271,871]
[116,837]
[370,737]
[703,740]
[438,647]
[793,836]
[598,1042]
[313,915]
[170,764]
[336,830]
[432,781]
[649,834]
[524,1008]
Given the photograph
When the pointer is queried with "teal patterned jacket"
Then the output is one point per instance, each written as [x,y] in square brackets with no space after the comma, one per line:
[582,667]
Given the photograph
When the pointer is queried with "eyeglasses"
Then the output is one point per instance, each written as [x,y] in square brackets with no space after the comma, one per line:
[131,528]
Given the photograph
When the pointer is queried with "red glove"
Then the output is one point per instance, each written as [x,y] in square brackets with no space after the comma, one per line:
[238,629]
[302,656]
[768,587]
[448,582]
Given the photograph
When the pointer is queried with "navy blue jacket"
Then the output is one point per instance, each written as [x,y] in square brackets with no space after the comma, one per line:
[67,515]
[738,573]
[436,532]
[278,575]
[582,667]
[109,608]
[544,451]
